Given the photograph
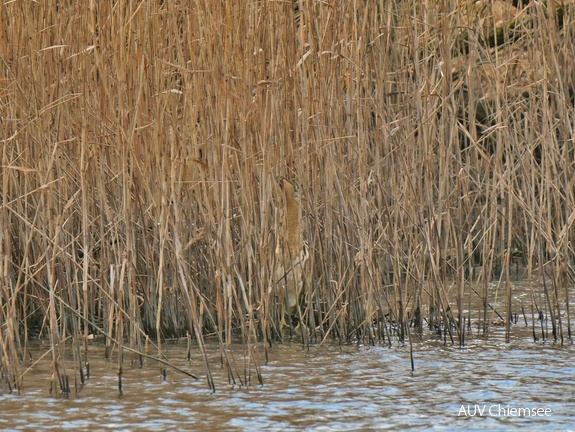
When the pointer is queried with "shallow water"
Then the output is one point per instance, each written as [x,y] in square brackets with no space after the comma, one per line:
[325,387]
[320,388]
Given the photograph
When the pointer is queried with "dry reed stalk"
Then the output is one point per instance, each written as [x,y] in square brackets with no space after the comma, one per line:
[140,144]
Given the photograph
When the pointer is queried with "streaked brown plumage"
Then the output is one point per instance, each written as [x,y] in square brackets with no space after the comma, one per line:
[291,251]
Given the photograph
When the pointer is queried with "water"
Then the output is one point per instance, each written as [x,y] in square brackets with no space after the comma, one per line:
[324,388]
[488,385]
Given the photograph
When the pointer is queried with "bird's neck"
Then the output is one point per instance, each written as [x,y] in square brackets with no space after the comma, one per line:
[293,215]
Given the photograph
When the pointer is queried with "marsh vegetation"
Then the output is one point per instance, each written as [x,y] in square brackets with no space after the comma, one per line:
[431,144]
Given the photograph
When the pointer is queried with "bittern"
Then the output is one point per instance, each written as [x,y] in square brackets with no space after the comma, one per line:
[291,250]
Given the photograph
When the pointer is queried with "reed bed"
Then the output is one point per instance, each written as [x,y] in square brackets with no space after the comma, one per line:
[430,142]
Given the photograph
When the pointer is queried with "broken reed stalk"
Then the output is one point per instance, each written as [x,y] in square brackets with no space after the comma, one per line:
[141,144]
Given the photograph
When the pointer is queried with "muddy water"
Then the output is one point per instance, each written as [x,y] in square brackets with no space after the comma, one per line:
[323,388]
[488,385]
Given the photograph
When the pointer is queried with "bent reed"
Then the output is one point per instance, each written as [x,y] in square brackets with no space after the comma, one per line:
[432,143]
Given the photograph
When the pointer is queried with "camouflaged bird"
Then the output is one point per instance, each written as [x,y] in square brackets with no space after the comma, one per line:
[291,250]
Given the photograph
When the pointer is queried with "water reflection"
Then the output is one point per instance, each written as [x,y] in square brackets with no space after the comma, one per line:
[323,388]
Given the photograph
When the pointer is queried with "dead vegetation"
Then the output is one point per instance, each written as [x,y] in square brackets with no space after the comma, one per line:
[141,141]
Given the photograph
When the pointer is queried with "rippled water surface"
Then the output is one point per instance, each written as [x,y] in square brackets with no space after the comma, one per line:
[320,388]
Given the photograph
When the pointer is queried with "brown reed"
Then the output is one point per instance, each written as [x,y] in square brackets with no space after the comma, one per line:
[141,140]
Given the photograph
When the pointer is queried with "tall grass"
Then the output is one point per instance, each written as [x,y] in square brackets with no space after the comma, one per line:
[431,145]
